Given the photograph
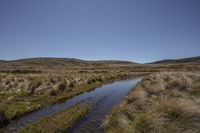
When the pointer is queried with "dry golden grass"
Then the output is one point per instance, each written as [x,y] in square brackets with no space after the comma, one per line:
[25,92]
[29,84]
[161,103]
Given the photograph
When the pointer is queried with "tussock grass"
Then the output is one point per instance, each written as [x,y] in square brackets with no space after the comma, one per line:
[139,98]
[33,85]
[62,86]
[161,103]
[4,115]
[57,122]
[27,92]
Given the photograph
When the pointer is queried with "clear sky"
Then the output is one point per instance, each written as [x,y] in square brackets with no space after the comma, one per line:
[135,30]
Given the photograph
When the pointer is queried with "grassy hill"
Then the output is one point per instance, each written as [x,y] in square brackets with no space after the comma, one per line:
[184,60]
[44,64]
[35,65]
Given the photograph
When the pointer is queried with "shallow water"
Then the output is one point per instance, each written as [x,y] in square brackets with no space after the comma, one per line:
[102,98]
[113,94]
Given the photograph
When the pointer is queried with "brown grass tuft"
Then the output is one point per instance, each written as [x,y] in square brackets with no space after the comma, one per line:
[161,103]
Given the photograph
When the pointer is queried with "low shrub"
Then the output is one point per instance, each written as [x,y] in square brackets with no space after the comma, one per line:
[53,92]
[62,85]
[4,115]
[71,85]
[33,85]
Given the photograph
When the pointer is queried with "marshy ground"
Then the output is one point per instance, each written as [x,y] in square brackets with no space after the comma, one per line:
[57,122]
[23,93]
[162,102]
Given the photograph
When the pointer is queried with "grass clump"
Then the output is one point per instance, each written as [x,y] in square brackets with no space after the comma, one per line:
[161,103]
[53,92]
[57,122]
[33,85]
[5,116]
[62,85]
[195,89]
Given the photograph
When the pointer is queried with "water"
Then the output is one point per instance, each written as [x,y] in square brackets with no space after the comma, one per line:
[92,121]
[103,98]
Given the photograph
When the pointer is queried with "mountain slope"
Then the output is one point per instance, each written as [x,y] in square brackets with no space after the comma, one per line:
[60,64]
[184,60]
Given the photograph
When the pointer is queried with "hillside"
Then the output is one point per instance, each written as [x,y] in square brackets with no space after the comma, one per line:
[43,64]
[70,64]
[184,60]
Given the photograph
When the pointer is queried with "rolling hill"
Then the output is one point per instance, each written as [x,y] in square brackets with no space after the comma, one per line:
[183,60]
[61,63]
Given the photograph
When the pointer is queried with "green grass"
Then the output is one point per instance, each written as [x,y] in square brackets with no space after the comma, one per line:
[57,122]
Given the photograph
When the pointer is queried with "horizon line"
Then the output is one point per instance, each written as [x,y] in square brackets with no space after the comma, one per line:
[59,57]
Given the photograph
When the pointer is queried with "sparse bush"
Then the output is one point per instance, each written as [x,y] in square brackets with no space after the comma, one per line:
[137,97]
[53,81]
[15,84]
[195,89]
[21,80]
[3,119]
[7,82]
[53,92]
[146,122]
[4,115]
[62,85]
[100,79]
[33,85]
[71,85]
[173,85]
[91,81]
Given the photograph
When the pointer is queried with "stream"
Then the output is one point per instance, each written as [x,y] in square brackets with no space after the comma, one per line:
[102,98]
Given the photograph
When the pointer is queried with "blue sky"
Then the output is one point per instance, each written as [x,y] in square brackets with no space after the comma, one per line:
[135,30]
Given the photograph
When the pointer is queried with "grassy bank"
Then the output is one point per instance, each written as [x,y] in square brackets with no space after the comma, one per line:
[160,103]
[57,122]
